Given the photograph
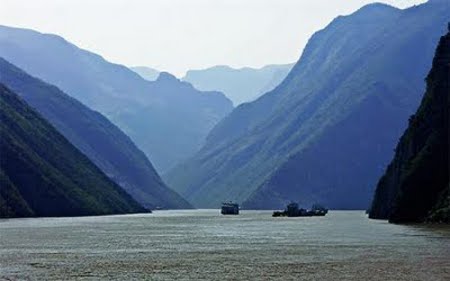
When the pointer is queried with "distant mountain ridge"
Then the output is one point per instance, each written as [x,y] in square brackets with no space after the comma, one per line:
[145,72]
[101,141]
[168,121]
[42,174]
[240,85]
[327,131]
[416,185]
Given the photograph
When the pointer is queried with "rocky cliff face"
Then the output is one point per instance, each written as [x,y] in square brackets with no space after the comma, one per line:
[415,186]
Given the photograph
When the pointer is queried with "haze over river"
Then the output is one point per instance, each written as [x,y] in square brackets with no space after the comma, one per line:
[204,245]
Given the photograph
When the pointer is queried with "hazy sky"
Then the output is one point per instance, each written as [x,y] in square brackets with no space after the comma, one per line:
[177,35]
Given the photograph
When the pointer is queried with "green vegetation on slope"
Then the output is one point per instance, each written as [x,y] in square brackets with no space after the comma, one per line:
[415,186]
[94,135]
[42,174]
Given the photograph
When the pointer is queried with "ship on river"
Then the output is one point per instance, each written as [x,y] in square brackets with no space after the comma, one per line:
[230,208]
[293,210]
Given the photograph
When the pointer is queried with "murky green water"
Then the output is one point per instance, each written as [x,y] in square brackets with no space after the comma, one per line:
[203,245]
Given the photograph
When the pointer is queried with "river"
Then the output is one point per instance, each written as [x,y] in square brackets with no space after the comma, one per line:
[204,245]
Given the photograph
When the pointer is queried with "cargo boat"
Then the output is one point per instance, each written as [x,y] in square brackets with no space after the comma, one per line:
[230,208]
[292,210]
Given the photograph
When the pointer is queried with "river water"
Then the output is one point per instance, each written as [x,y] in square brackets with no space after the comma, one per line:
[204,245]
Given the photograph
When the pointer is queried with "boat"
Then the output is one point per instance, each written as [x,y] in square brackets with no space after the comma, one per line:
[230,208]
[319,210]
[293,210]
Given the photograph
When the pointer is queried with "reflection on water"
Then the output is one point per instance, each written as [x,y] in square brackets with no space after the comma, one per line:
[203,245]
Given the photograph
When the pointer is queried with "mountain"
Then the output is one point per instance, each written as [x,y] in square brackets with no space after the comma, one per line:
[239,85]
[101,141]
[167,119]
[416,184]
[145,72]
[326,133]
[42,174]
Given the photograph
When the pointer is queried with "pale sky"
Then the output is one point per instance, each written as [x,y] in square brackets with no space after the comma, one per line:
[177,35]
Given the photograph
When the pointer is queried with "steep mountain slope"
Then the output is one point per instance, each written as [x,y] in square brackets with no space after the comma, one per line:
[42,174]
[239,85]
[148,73]
[417,180]
[105,144]
[167,119]
[327,131]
